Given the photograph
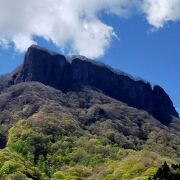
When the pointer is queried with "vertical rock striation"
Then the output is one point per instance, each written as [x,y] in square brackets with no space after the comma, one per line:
[57,71]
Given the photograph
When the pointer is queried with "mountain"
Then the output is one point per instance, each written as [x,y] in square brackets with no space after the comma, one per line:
[75,118]
[74,73]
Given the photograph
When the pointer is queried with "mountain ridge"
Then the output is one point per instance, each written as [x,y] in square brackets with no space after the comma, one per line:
[57,121]
[58,71]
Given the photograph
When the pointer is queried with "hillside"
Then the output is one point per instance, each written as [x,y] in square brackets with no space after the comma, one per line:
[76,119]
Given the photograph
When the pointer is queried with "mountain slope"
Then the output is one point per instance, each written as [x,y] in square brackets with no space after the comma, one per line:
[91,110]
[56,127]
[58,71]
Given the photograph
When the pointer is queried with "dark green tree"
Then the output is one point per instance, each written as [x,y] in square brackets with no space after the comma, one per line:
[167,173]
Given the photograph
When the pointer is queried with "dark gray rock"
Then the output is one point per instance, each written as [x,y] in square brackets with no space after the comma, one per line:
[57,71]
[135,93]
[163,107]
[43,66]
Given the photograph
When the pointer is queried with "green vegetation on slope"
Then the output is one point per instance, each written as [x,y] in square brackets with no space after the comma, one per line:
[47,150]
[47,134]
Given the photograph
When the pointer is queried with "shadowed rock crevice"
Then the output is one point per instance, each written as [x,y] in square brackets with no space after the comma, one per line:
[3,141]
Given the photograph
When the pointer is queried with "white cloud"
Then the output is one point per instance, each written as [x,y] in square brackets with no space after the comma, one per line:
[75,24]
[160,12]
[72,23]
[22,41]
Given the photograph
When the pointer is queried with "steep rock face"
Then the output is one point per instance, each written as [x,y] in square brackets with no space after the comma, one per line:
[55,70]
[163,106]
[43,66]
[135,93]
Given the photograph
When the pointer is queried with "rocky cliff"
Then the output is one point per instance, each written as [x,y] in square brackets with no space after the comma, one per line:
[71,74]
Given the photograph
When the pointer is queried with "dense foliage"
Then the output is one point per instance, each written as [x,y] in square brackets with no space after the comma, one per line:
[49,135]
[45,150]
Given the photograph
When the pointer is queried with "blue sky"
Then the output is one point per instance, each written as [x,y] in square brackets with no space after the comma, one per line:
[144,46]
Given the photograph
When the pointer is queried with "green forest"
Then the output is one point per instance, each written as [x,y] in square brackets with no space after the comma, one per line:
[48,135]
[42,150]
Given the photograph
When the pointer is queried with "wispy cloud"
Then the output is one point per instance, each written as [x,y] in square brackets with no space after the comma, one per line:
[75,23]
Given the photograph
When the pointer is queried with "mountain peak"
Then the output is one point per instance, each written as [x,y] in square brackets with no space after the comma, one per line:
[73,73]
[36,47]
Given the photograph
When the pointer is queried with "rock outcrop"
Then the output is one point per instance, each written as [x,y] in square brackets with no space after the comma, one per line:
[69,74]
